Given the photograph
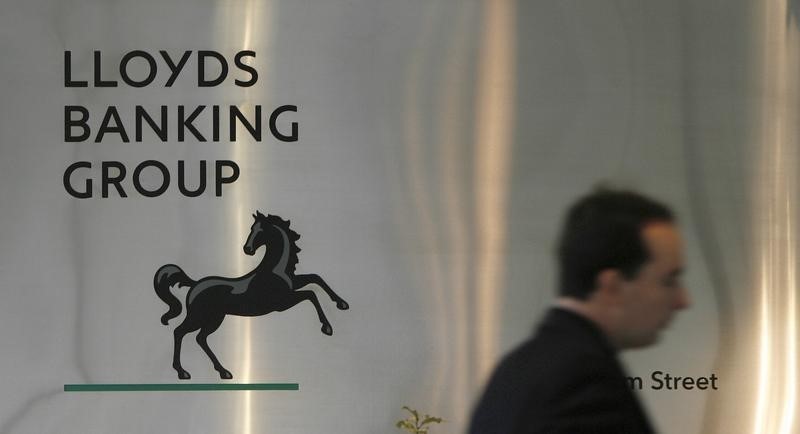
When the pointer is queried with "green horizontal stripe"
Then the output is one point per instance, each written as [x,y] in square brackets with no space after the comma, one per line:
[178,387]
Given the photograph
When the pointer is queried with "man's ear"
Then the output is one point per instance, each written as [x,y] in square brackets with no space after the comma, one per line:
[608,282]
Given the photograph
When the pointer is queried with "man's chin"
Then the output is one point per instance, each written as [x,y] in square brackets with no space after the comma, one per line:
[643,341]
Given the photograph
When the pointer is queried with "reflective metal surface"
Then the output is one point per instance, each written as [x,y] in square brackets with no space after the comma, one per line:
[439,143]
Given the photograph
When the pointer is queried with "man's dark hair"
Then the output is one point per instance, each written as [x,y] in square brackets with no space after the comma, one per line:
[601,231]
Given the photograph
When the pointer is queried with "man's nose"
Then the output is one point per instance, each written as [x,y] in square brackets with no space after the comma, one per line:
[683,301]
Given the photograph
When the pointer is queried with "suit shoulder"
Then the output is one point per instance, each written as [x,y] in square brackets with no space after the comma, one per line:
[530,378]
[565,369]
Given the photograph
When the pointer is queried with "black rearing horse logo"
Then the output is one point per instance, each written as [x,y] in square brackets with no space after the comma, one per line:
[271,286]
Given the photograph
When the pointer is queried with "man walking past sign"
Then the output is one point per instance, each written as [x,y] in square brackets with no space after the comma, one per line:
[620,259]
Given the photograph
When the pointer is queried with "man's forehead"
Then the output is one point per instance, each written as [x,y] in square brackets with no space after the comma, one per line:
[660,226]
[663,239]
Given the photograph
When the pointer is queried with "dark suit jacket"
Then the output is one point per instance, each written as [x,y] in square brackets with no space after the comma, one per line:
[566,379]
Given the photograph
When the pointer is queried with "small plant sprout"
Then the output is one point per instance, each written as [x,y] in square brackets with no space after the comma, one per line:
[415,424]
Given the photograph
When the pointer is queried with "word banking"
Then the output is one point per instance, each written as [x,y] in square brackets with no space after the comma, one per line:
[78,126]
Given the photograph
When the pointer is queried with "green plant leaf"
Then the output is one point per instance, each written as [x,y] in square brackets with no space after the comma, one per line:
[416,425]
[412,411]
[406,425]
[430,419]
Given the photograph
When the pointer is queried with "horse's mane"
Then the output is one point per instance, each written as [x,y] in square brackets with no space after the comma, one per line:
[293,237]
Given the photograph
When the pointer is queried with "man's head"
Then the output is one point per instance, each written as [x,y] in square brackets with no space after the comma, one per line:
[620,258]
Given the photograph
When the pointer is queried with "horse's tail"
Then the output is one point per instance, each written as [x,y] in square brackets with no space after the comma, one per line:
[165,277]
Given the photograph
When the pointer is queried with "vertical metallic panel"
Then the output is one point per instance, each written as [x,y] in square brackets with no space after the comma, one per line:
[775,221]
[742,142]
